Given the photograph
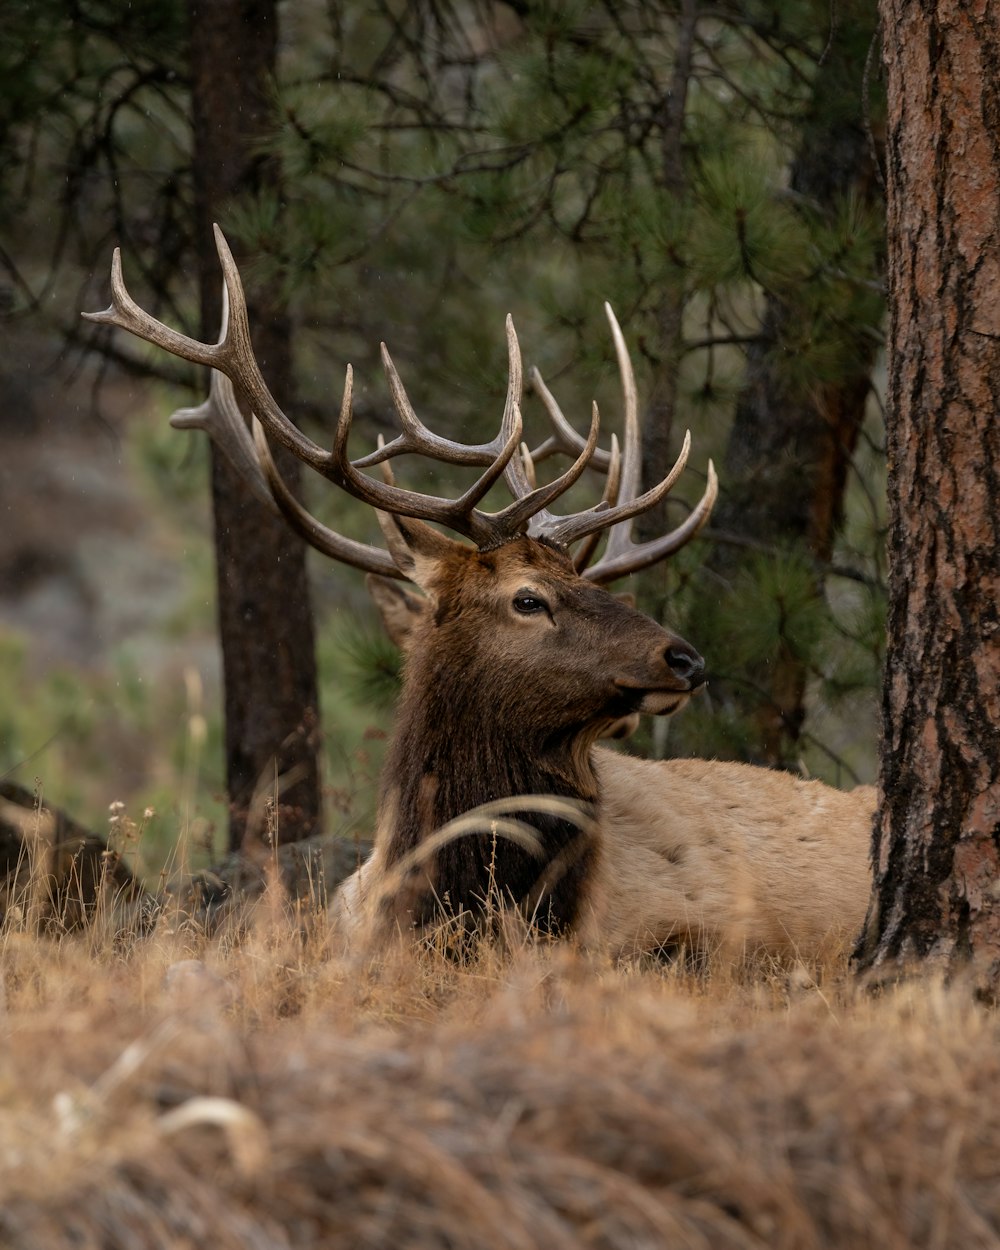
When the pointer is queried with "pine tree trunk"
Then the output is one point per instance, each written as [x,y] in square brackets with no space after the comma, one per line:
[789,451]
[937,835]
[265,615]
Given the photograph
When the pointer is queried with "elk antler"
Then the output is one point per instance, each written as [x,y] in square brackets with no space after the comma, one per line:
[233,363]
[616,511]
[563,437]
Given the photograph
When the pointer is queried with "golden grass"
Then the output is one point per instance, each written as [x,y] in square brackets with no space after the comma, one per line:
[273,1091]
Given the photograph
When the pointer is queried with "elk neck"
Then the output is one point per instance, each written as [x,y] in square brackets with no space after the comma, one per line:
[464,737]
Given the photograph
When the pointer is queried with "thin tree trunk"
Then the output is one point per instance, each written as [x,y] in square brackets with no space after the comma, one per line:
[790,449]
[658,422]
[936,845]
[265,616]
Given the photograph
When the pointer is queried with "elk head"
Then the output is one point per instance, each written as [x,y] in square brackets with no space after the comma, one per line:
[403,614]
[520,658]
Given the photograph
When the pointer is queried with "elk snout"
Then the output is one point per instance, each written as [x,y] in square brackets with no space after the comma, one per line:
[671,673]
[685,663]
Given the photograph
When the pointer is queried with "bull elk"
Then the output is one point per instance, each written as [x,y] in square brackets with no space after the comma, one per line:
[517,662]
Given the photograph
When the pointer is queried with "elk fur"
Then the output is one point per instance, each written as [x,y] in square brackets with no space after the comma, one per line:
[699,853]
[717,854]
[499,704]
[705,854]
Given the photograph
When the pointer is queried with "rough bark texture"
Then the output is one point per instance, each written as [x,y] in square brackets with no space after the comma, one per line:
[265,618]
[937,838]
[790,449]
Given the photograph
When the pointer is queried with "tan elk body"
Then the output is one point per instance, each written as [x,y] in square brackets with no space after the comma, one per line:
[729,855]
[517,664]
[701,853]
[709,855]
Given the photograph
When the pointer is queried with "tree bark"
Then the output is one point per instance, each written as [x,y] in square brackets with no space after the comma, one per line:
[936,845]
[790,450]
[265,616]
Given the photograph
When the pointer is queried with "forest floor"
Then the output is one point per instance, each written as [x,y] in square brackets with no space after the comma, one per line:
[267,1089]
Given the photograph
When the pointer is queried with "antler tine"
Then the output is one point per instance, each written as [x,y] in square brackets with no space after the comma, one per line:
[628,503]
[630,557]
[623,555]
[601,517]
[240,364]
[585,553]
[250,455]
[416,437]
[631,469]
[528,465]
[220,417]
[563,437]
[385,468]
[515,476]
[532,507]
[125,313]
[231,355]
[460,515]
[316,534]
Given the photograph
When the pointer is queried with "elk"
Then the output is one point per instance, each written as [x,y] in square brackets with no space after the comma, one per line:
[517,661]
[700,853]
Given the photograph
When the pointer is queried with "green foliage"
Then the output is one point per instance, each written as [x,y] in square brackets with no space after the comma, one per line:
[562,90]
[358,677]
[441,169]
[854,649]
[774,610]
[12,649]
[319,127]
[368,664]
[743,233]
[839,303]
[641,217]
[91,739]
[173,466]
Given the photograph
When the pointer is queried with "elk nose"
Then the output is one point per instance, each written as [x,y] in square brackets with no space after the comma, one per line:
[684,662]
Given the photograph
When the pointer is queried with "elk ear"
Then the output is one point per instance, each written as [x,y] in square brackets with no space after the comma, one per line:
[399,609]
[417,550]
[626,597]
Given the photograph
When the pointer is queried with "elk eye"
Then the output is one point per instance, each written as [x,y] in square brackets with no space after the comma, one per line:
[529,604]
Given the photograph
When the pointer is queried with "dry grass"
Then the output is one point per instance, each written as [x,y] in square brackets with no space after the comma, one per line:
[275,1092]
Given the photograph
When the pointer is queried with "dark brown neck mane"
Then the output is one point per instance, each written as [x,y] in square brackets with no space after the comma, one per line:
[459,744]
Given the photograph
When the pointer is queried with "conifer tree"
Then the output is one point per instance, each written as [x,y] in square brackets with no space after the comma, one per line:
[801,408]
[937,837]
[712,175]
[440,166]
[263,602]
[157,114]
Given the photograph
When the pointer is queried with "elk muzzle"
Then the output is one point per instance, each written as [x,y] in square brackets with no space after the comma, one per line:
[674,672]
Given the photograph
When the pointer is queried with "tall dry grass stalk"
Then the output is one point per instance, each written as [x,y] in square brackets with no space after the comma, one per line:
[267,1089]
